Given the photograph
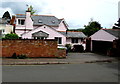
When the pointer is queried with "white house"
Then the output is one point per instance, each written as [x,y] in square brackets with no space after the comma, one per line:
[102,40]
[5,27]
[46,27]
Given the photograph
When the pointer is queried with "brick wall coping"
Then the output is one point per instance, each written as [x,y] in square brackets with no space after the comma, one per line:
[31,39]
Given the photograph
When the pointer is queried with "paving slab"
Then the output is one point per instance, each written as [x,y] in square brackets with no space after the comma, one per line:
[71,58]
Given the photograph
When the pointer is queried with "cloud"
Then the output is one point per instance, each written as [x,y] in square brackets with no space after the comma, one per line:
[4,10]
[77,13]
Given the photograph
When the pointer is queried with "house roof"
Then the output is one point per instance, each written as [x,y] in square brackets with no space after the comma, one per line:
[74,34]
[40,34]
[42,19]
[114,32]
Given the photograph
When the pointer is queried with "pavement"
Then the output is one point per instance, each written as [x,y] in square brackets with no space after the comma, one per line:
[72,58]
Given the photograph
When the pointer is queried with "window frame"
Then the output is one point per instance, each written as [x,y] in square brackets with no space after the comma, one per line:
[74,40]
[21,21]
[59,40]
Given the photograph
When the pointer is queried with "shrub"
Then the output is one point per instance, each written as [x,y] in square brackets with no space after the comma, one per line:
[61,49]
[68,47]
[11,36]
[14,56]
[22,56]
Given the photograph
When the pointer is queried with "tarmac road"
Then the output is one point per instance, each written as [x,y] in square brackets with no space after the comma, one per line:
[89,72]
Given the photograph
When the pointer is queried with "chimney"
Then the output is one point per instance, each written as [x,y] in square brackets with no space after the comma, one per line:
[28,20]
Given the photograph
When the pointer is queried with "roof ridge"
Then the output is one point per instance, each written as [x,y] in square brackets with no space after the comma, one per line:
[69,31]
[110,29]
[36,15]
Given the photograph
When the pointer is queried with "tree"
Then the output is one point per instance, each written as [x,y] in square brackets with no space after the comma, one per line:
[91,28]
[6,15]
[11,36]
[117,25]
[30,8]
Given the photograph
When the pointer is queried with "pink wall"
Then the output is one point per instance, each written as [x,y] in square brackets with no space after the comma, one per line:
[61,27]
[19,32]
[102,36]
[52,33]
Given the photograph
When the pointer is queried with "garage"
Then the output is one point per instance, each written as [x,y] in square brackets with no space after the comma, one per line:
[102,40]
[101,46]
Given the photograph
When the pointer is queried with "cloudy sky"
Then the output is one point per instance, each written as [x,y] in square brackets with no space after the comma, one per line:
[77,13]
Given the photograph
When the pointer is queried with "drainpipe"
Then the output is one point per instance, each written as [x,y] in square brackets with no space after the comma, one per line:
[66,31]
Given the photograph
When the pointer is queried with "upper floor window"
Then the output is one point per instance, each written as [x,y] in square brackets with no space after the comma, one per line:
[21,21]
[74,40]
[40,21]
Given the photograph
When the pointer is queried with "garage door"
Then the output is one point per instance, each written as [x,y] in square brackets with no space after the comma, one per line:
[101,46]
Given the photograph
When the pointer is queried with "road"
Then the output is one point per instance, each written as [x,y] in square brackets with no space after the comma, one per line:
[89,72]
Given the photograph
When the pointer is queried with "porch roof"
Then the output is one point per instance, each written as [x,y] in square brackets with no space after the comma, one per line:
[74,34]
[40,34]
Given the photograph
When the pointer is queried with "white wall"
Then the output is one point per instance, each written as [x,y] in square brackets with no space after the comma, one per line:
[7,28]
[69,41]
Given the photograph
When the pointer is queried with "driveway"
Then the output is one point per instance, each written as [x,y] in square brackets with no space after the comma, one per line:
[71,58]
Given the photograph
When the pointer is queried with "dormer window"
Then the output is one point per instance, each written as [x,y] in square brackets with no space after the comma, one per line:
[21,22]
[53,22]
[40,21]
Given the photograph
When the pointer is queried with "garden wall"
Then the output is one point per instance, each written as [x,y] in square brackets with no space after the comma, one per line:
[30,48]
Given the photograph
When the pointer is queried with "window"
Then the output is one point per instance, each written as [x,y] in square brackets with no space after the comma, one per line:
[74,40]
[3,30]
[40,21]
[21,22]
[38,37]
[59,39]
[42,38]
[53,22]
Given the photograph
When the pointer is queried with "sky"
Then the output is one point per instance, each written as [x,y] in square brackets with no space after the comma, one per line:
[76,13]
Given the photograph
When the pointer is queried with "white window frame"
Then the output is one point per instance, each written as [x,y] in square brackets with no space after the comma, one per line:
[19,23]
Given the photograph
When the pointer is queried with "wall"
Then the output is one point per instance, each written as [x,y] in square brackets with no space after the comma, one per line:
[52,33]
[28,20]
[61,27]
[62,53]
[32,48]
[7,28]
[69,41]
[101,35]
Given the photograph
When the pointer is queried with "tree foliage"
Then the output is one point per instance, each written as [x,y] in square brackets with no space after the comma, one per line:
[91,28]
[32,10]
[6,15]
[117,25]
[11,36]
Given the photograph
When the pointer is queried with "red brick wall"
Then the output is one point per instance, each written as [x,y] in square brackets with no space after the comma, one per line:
[0,48]
[31,48]
[62,53]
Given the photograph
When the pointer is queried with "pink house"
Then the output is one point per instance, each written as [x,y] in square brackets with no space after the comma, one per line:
[46,27]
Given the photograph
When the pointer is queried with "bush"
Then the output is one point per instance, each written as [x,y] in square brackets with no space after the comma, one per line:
[68,47]
[11,36]
[14,56]
[22,56]
[61,49]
